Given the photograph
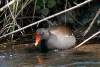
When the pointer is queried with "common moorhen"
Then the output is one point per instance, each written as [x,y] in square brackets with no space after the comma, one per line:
[56,37]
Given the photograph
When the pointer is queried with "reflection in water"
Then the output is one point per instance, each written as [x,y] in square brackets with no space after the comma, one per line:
[69,58]
[40,59]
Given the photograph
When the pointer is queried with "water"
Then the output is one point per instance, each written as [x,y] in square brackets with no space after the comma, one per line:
[82,57]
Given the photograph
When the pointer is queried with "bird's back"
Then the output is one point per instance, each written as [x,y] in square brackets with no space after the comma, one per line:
[61,37]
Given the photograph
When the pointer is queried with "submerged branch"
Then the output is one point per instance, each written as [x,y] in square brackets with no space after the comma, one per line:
[88,39]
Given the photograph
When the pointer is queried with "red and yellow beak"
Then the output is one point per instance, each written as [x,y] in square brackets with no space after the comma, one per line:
[37,39]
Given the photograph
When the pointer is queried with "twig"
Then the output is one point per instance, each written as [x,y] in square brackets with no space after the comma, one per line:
[8,4]
[49,17]
[66,13]
[34,7]
[25,4]
[88,39]
[91,24]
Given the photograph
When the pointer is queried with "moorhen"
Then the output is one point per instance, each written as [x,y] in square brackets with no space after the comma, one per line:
[56,37]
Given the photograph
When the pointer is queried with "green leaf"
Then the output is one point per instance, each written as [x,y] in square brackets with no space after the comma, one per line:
[51,3]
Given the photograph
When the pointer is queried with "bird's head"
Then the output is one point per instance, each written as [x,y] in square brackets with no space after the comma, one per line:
[41,34]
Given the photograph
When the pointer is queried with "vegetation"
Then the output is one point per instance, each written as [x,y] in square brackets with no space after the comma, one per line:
[84,20]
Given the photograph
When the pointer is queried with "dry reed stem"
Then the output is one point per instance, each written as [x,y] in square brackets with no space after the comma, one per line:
[8,4]
[88,39]
[93,21]
[49,17]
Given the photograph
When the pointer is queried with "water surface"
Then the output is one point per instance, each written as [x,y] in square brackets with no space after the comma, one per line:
[86,56]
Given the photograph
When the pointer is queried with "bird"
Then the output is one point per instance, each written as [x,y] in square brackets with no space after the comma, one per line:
[55,37]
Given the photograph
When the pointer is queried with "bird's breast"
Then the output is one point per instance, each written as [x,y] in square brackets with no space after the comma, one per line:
[61,42]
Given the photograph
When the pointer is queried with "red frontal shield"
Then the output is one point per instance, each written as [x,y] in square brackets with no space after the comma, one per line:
[37,38]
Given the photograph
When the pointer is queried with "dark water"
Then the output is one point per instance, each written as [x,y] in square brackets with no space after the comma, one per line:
[65,58]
